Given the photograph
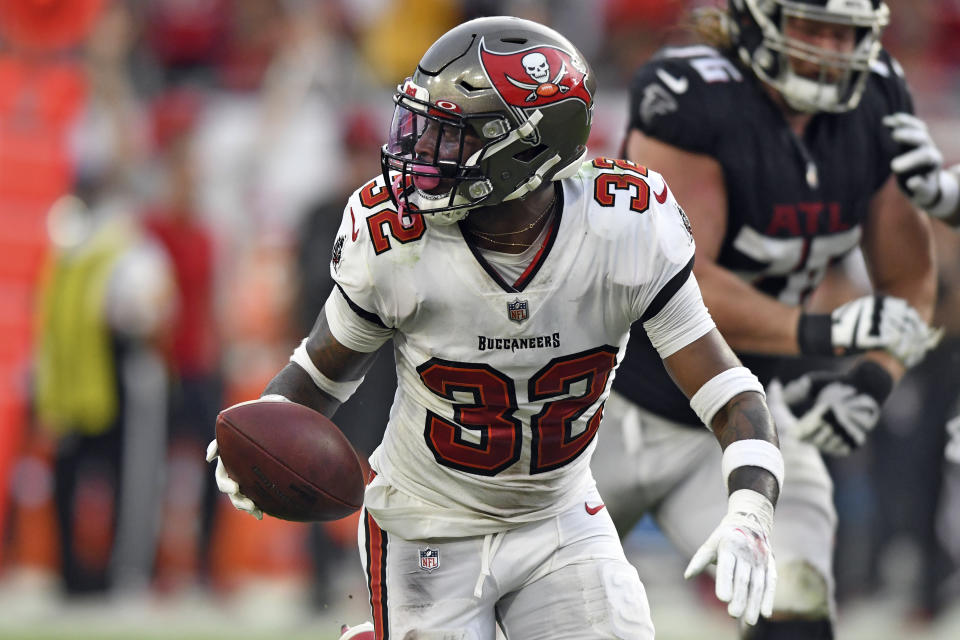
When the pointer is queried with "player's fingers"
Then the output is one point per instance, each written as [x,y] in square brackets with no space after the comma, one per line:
[910,136]
[919,157]
[904,120]
[726,567]
[769,589]
[212,450]
[741,586]
[754,596]
[916,183]
[244,503]
[225,483]
[703,557]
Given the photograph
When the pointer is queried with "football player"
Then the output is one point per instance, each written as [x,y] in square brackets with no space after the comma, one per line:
[507,269]
[774,138]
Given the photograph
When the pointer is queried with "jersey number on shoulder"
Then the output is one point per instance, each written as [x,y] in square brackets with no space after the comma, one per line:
[606,183]
[373,195]
[485,437]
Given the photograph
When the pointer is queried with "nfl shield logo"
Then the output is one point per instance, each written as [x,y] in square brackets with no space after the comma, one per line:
[517,310]
[429,559]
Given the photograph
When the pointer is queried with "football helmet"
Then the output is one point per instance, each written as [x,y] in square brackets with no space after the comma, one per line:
[496,107]
[760,39]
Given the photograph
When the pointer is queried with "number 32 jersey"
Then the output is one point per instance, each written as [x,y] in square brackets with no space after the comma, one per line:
[501,384]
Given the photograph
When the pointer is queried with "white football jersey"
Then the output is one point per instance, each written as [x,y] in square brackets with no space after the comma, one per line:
[501,385]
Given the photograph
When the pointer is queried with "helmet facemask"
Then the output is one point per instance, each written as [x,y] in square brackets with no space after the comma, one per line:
[432,155]
[812,78]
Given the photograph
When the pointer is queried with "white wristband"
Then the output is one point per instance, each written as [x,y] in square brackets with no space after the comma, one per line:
[339,390]
[752,453]
[717,391]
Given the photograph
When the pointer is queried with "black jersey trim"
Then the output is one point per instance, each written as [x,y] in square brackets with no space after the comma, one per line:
[539,260]
[360,311]
[667,292]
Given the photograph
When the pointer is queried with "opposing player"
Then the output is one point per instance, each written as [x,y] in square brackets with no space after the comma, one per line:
[774,140]
[507,270]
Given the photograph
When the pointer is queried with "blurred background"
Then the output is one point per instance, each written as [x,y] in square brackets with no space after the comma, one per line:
[172,173]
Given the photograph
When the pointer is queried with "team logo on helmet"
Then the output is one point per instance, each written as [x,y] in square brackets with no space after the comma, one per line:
[536,77]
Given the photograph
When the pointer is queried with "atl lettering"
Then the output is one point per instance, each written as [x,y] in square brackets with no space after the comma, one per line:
[806,219]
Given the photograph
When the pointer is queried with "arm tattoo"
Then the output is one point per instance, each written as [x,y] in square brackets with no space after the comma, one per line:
[746,417]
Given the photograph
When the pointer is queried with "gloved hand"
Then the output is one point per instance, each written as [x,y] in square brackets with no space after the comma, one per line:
[952,451]
[867,323]
[228,485]
[833,411]
[740,545]
[919,166]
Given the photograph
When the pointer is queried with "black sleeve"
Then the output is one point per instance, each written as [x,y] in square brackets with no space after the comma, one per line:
[886,93]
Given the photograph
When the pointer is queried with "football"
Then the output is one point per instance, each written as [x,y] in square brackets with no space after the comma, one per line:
[293,462]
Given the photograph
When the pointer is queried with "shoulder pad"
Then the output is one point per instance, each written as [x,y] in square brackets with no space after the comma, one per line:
[888,85]
[678,97]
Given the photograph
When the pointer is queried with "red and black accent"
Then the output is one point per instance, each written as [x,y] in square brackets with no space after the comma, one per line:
[554,444]
[500,437]
[538,260]
[608,164]
[372,195]
[564,79]
[491,416]
[376,551]
[379,222]
[606,183]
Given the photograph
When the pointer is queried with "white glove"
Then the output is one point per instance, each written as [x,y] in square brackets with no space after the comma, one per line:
[229,486]
[882,322]
[833,411]
[740,545]
[952,451]
[919,167]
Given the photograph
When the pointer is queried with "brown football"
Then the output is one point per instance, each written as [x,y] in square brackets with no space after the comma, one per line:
[293,462]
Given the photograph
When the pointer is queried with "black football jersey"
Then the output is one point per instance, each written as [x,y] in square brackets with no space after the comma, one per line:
[795,205]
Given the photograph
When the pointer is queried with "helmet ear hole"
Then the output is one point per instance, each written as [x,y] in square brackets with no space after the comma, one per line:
[529,155]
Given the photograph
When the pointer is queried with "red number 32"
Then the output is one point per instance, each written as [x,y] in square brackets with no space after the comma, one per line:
[496,434]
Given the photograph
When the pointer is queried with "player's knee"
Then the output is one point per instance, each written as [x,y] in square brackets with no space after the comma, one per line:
[802,592]
[627,601]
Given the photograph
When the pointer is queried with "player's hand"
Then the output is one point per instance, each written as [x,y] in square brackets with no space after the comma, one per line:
[229,486]
[835,411]
[919,167]
[740,545]
[882,322]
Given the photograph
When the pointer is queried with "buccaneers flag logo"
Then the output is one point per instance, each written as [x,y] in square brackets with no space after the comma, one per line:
[536,77]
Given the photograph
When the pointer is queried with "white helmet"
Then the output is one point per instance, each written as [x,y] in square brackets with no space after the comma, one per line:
[758,34]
